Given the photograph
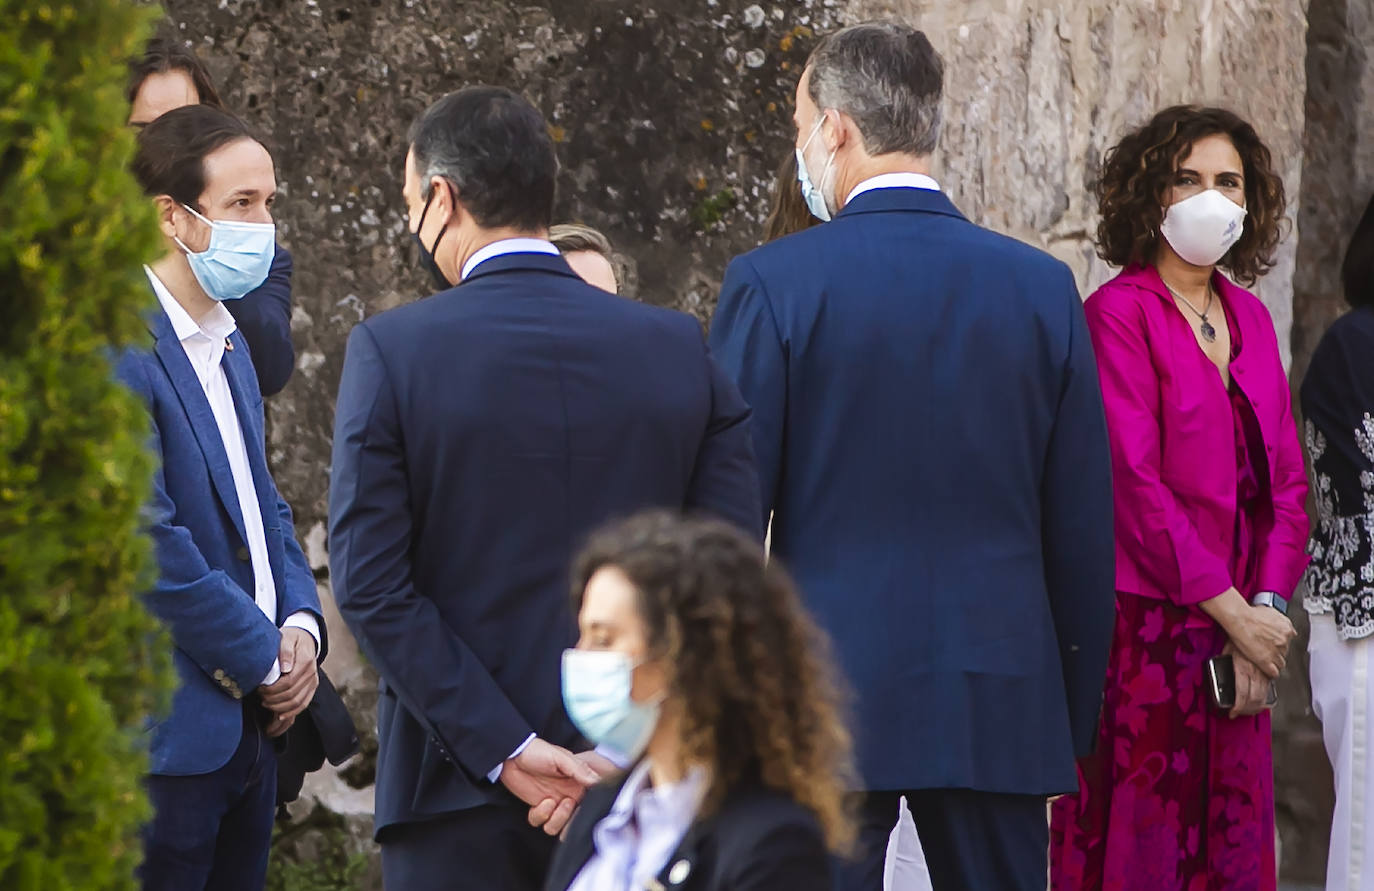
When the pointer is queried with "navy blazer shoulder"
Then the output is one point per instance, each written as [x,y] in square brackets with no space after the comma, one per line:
[933,452]
[264,318]
[224,644]
[759,840]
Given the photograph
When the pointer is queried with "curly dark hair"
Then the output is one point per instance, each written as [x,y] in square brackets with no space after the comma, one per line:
[1137,173]
[751,671]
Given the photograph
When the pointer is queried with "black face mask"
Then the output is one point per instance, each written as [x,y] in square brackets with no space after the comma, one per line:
[441,281]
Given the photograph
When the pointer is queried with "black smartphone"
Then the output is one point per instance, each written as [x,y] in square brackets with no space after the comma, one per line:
[1221,678]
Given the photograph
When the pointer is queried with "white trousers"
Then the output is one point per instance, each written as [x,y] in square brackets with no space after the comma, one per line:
[905,867]
[1343,701]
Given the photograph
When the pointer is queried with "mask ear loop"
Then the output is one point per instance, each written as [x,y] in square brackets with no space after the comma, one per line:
[211,223]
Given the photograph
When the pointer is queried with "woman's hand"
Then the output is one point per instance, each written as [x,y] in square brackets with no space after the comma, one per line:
[1252,687]
[1260,633]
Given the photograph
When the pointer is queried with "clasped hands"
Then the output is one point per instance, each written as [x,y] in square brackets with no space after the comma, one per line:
[551,780]
[291,693]
[1258,646]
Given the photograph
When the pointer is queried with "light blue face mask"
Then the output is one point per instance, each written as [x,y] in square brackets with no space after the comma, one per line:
[237,260]
[596,693]
[811,193]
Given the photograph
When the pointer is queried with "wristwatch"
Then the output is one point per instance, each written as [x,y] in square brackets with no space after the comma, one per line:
[1269,598]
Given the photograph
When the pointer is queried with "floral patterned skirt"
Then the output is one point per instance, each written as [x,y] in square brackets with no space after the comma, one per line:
[1177,795]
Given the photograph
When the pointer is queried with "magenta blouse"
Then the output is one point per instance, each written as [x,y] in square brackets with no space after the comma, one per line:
[1176,442]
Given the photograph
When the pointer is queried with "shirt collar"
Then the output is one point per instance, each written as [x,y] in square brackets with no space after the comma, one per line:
[680,798]
[508,246]
[217,325]
[894,181]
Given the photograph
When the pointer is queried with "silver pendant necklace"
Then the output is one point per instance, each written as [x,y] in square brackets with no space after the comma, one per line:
[1209,333]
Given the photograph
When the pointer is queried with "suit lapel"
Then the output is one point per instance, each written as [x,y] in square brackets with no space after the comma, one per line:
[237,369]
[577,848]
[202,418]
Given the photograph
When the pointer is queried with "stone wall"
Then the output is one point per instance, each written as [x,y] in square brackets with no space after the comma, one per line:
[670,119]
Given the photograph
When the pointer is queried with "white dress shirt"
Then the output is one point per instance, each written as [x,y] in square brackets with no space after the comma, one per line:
[508,246]
[204,343]
[893,181]
[642,830]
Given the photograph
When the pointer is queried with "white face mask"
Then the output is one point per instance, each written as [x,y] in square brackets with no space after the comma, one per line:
[813,190]
[1201,229]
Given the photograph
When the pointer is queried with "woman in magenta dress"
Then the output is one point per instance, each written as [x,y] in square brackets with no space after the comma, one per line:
[1210,523]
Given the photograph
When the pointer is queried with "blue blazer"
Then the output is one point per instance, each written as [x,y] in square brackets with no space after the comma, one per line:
[264,317]
[224,644]
[480,435]
[931,441]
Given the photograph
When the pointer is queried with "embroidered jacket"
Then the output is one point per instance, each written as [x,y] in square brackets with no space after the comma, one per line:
[1338,403]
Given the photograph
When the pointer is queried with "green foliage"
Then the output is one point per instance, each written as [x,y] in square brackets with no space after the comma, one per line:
[711,210]
[82,664]
[315,855]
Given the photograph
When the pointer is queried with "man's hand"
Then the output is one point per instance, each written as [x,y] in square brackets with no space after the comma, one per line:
[293,691]
[1252,686]
[548,773]
[553,814]
[278,726]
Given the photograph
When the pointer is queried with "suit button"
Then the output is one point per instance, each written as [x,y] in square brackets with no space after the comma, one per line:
[237,694]
[219,674]
[243,555]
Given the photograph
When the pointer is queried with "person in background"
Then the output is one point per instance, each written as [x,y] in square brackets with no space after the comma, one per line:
[1338,404]
[451,530]
[1210,522]
[169,76]
[698,662]
[788,212]
[939,480]
[233,586]
[590,255]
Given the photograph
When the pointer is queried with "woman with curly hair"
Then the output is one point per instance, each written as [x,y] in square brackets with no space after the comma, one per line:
[1210,523]
[697,662]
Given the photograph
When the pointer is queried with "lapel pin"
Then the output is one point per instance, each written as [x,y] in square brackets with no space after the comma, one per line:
[679,873]
[228,344]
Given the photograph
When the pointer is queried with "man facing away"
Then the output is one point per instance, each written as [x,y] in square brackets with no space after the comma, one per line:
[480,434]
[932,446]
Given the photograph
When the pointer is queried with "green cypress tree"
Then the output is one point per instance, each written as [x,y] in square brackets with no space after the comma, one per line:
[82,664]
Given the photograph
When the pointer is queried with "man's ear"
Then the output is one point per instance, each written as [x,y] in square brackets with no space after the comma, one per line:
[842,129]
[167,208]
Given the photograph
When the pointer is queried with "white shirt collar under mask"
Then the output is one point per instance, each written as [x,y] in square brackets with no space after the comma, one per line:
[902,180]
[507,246]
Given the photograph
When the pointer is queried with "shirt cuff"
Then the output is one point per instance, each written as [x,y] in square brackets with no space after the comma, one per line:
[306,622]
[495,773]
[614,756]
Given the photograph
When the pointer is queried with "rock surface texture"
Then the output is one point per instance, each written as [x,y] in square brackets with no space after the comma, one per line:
[671,118]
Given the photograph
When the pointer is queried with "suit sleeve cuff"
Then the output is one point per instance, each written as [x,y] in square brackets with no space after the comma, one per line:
[495,773]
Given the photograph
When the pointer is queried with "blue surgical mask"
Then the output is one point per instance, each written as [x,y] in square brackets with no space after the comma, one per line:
[811,192]
[596,693]
[237,260]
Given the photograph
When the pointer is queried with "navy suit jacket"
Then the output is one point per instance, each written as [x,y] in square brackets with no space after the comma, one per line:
[480,435]
[224,644]
[931,440]
[264,318]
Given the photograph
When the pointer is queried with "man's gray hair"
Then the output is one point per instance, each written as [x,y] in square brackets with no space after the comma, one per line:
[888,78]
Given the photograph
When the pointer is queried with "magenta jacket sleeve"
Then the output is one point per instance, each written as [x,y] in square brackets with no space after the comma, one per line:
[1152,530]
[1283,553]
